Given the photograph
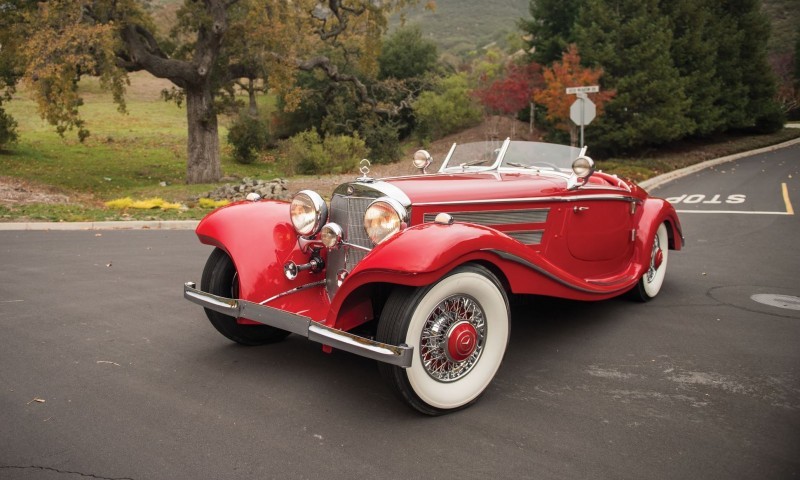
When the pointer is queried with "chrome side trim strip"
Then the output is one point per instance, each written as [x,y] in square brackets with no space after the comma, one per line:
[400,356]
[538,269]
[576,198]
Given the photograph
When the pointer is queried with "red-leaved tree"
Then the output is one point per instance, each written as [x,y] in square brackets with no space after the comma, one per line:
[562,75]
[788,95]
[512,92]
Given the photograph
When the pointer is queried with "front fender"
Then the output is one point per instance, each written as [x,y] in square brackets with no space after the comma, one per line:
[260,239]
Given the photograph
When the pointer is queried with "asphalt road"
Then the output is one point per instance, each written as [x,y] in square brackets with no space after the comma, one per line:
[106,372]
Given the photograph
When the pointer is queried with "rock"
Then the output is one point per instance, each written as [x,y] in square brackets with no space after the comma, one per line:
[268,189]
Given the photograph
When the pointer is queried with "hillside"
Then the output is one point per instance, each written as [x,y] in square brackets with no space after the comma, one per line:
[460,26]
[785,18]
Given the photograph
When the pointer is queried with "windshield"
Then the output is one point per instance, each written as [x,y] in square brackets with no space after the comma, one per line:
[540,156]
[478,154]
[515,154]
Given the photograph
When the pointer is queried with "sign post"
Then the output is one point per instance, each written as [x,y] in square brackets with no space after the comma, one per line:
[583,110]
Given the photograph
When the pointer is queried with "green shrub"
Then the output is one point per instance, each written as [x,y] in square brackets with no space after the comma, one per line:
[8,129]
[382,141]
[343,153]
[307,153]
[771,120]
[248,135]
[447,110]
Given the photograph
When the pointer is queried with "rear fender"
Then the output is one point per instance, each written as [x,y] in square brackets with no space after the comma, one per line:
[260,239]
[655,212]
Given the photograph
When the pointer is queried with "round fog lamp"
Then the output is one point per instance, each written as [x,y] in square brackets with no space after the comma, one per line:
[331,235]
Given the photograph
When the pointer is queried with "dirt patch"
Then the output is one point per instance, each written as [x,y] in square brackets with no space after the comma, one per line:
[19,192]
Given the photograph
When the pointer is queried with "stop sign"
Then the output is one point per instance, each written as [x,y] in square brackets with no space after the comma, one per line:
[582,111]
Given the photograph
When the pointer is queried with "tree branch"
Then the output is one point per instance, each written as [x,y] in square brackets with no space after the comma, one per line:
[332,71]
[342,14]
[141,56]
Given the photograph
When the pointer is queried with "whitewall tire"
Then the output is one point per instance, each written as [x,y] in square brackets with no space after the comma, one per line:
[653,278]
[459,328]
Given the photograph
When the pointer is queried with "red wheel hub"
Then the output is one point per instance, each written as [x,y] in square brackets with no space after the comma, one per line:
[462,340]
[659,259]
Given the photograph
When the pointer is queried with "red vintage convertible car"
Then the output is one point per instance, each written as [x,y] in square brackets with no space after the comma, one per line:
[415,272]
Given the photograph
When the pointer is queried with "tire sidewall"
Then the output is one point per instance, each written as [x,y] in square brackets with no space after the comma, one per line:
[487,293]
[218,278]
[652,287]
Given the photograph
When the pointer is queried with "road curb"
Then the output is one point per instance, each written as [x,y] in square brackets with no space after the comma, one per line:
[662,179]
[124,225]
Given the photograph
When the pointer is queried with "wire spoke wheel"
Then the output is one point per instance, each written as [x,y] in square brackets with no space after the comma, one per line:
[453,338]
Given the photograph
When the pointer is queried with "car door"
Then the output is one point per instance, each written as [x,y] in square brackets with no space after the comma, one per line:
[600,233]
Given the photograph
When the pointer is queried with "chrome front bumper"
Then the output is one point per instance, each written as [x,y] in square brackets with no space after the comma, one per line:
[291,322]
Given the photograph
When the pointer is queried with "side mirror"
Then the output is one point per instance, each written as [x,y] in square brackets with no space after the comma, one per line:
[582,169]
[422,160]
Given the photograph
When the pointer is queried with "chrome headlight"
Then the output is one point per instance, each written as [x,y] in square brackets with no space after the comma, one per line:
[384,217]
[422,159]
[583,167]
[308,212]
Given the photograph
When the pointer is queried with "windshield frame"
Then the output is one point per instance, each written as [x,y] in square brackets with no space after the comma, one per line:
[550,155]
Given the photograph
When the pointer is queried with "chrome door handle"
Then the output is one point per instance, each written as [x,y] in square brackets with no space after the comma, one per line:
[577,209]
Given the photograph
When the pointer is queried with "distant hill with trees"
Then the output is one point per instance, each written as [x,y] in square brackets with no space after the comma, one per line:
[458,27]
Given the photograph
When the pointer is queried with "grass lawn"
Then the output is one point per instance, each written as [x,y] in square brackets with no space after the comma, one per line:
[127,155]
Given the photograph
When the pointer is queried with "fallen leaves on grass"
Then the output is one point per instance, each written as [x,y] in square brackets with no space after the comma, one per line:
[147,204]
[211,203]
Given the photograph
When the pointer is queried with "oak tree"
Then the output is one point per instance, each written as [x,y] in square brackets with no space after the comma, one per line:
[11,12]
[214,43]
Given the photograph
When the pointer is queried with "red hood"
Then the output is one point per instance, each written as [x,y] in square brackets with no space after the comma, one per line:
[476,186]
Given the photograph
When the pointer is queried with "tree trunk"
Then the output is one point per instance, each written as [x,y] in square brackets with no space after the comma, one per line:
[251,93]
[203,164]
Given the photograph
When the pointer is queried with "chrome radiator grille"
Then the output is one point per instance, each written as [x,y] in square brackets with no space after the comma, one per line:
[348,213]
